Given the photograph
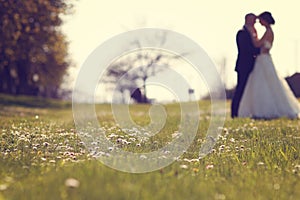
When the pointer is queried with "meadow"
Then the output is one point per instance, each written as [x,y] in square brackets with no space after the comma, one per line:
[42,157]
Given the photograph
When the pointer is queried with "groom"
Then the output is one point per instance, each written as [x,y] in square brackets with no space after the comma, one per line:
[247,53]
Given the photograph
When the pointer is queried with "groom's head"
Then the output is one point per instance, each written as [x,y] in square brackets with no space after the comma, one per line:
[250,19]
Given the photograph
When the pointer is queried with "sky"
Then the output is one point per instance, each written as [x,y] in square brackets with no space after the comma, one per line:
[212,24]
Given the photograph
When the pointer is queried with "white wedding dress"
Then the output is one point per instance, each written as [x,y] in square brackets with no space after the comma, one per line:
[266,96]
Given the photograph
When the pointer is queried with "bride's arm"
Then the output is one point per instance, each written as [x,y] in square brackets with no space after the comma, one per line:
[260,42]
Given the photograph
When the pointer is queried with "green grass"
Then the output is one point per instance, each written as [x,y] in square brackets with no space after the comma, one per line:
[40,150]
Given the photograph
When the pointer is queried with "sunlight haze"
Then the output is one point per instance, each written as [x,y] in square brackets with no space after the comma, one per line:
[212,24]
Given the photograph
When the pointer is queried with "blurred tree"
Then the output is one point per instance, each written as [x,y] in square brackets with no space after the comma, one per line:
[33,50]
[130,72]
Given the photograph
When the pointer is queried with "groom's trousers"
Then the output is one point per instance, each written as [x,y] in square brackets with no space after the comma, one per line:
[241,84]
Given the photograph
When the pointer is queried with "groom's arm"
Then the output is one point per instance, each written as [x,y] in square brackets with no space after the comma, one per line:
[244,43]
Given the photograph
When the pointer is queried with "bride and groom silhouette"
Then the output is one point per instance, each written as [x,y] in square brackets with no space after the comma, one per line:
[260,93]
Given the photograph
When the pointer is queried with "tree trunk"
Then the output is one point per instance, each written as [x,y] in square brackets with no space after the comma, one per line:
[145,99]
[22,86]
[8,84]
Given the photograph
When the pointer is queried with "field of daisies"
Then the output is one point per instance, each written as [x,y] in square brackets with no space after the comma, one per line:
[42,156]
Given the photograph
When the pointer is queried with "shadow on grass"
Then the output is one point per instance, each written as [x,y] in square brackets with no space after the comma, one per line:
[33,102]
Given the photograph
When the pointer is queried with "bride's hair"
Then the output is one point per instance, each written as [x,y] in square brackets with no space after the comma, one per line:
[267,16]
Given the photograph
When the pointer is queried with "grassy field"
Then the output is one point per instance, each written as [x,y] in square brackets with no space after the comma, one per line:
[41,157]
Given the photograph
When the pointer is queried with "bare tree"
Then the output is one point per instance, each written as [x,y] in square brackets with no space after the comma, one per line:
[131,71]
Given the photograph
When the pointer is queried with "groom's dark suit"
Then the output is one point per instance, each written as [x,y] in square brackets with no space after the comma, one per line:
[247,53]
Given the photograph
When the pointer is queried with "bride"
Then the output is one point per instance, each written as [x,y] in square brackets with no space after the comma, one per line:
[266,96]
